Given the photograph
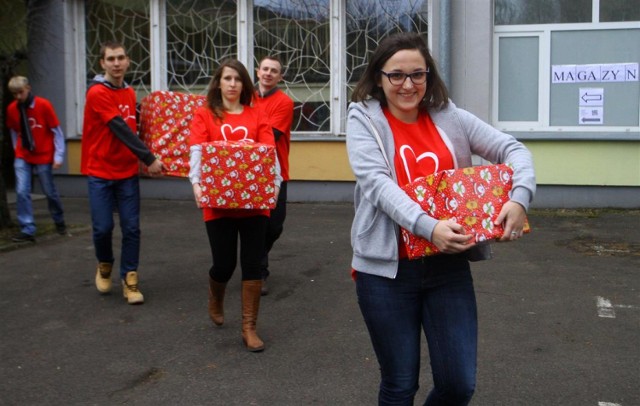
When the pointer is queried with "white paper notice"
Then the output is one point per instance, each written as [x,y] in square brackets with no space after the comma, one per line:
[591,96]
[591,115]
[594,73]
[591,102]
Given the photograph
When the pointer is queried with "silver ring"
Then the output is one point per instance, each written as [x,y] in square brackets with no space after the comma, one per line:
[514,233]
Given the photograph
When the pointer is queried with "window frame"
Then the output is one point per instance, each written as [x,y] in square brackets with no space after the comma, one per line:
[338,89]
[541,129]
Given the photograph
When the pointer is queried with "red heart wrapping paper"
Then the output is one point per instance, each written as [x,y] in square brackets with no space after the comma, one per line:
[238,175]
[473,197]
[165,118]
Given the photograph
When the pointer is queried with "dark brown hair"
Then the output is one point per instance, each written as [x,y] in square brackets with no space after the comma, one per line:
[111,45]
[214,96]
[367,87]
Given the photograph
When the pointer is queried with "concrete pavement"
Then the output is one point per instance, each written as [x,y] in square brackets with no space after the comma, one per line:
[559,317]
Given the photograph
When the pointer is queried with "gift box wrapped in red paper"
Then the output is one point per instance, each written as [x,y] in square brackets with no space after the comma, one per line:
[238,175]
[473,197]
[165,118]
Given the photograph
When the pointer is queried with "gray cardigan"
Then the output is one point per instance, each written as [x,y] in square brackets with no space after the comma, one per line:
[381,206]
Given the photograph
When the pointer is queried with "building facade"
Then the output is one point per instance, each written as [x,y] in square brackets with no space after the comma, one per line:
[560,75]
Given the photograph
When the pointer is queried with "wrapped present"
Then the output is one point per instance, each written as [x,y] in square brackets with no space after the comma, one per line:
[472,197]
[165,118]
[238,175]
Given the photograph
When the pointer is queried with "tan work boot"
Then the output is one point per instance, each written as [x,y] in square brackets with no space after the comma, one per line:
[250,307]
[103,277]
[216,301]
[130,289]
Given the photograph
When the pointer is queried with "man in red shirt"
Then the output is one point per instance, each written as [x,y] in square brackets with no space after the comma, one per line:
[38,143]
[279,109]
[111,150]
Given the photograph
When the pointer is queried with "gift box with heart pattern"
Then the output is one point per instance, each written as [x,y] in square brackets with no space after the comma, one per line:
[165,118]
[238,175]
[472,197]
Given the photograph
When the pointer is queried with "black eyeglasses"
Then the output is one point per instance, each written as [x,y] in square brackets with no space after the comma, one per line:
[398,78]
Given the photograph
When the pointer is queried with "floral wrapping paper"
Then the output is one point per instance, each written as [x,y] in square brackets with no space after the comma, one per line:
[238,175]
[165,118]
[473,197]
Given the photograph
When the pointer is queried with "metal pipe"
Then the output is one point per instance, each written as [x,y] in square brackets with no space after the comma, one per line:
[444,42]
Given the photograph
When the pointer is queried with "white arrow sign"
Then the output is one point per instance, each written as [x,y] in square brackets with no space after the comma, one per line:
[591,97]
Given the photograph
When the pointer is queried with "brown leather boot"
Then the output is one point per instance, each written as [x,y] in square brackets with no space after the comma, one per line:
[216,301]
[250,307]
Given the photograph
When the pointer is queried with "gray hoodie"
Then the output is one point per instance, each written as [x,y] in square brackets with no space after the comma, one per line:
[381,206]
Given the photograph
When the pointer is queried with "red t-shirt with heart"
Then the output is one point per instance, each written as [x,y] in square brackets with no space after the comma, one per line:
[419,151]
[103,154]
[42,119]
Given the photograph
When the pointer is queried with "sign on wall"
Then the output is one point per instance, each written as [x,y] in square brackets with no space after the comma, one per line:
[591,100]
[614,72]
[587,65]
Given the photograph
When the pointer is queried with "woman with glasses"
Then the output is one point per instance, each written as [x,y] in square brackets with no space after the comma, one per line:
[402,126]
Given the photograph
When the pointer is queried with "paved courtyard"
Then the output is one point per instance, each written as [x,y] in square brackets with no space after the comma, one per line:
[559,318]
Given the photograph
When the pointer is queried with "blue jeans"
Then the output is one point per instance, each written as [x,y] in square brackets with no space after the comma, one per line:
[24,208]
[104,196]
[436,295]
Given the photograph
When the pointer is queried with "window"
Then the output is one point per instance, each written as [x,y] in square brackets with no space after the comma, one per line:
[125,22]
[519,75]
[369,22]
[516,12]
[299,33]
[619,10]
[198,34]
[324,45]
[572,70]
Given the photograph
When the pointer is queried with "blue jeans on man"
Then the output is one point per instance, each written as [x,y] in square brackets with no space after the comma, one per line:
[124,195]
[24,207]
[434,295]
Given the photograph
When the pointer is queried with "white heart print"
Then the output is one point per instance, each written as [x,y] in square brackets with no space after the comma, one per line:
[227,131]
[422,156]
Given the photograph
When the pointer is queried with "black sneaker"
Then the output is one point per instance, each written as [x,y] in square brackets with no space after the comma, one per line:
[22,237]
[61,228]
